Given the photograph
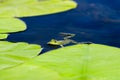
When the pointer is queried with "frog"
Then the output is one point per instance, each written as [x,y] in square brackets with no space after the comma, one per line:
[66,40]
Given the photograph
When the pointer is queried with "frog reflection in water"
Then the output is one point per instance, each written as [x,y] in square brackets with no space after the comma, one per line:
[66,40]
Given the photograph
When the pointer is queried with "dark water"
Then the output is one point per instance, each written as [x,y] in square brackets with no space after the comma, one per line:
[97,21]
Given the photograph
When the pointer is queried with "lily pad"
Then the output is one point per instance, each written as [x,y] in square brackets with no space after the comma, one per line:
[22,8]
[28,71]
[12,54]
[84,62]
[8,25]
[78,62]
[3,36]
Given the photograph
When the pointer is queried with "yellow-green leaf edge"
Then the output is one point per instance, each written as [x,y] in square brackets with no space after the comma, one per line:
[3,36]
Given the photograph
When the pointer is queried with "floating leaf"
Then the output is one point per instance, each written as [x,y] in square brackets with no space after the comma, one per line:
[79,62]
[12,54]
[3,36]
[84,62]
[8,25]
[22,8]
[29,71]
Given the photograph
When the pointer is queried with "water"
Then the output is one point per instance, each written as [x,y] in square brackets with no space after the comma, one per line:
[94,21]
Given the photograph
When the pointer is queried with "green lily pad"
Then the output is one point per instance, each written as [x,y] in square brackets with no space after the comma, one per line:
[8,25]
[29,71]
[78,62]
[22,8]
[3,36]
[12,54]
[84,62]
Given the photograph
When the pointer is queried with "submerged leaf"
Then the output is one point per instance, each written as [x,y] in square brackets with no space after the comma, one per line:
[8,25]
[22,8]
[12,54]
[79,62]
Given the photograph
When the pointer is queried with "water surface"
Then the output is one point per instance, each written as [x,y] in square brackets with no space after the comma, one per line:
[96,21]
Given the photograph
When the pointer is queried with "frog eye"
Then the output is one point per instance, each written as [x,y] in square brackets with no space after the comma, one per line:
[53,40]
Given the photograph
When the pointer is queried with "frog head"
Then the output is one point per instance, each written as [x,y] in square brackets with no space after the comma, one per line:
[54,42]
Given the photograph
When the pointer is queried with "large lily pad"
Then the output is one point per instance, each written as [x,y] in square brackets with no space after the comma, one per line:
[22,8]
[84,62]
[79,62]
[12,54]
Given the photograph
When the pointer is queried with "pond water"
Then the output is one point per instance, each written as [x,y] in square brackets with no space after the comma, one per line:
[97,21]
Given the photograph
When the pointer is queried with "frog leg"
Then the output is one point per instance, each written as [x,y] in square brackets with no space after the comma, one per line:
[61,46]
[74,42]
[67,35]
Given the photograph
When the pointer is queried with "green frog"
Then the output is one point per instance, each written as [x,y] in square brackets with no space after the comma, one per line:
[66,40]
